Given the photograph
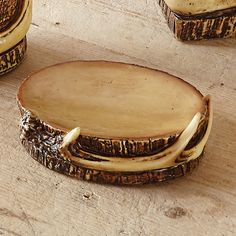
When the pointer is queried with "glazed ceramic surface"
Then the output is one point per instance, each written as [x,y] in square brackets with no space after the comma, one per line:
[195,20]
[113,122]
[15,18]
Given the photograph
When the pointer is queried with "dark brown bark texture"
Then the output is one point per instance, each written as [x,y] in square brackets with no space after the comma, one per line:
[10,59]
[10,11]
[218,24]
[43,143]
[123,147]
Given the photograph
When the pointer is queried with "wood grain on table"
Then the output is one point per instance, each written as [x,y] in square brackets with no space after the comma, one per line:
[37,201]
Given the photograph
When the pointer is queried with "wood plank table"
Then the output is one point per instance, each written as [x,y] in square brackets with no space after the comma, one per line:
[37,201]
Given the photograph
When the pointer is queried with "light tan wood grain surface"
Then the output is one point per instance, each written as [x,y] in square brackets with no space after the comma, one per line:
[37,201]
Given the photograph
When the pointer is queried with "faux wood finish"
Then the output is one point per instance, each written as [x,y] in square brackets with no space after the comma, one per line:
[10,59]
[221,24]
[38,201]
[10,10]
[43,142]
[15,18]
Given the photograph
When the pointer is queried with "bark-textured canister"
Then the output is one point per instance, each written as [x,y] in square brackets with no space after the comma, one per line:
[15,18]
[196,20]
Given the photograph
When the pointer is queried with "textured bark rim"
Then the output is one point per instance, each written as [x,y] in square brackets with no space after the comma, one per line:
[220,24]
[114,178]
[42,142]
[10,59]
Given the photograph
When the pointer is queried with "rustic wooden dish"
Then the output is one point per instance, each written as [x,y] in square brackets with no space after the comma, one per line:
[15,18]
[197,20]
[113,123]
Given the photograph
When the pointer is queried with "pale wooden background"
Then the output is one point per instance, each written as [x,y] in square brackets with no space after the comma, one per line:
[37,201]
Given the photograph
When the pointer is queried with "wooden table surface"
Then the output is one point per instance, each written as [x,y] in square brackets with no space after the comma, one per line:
[37,201]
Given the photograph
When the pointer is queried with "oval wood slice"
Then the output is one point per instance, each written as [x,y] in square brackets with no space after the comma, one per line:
[123,111]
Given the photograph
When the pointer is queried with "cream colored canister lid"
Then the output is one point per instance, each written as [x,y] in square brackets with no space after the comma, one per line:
[193,7]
